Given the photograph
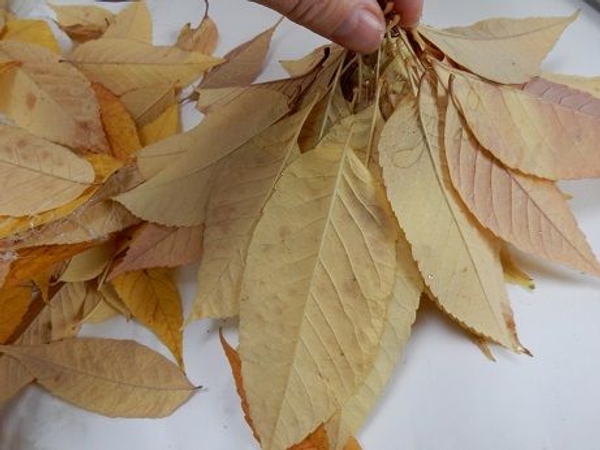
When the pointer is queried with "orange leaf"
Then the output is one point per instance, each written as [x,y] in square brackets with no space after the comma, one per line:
[13,306]
[119,126]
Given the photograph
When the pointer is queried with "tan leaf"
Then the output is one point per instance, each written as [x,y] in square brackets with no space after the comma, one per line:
[157,246]
[166,125]
[120,128]
[552,140]
[242,189]
[564,96]
[7,66]
[177,195]
[52,175]
[513,273]
[36,32]
[123,65]
[299,67]
[133,22]
[508,51]
[111,297]
[114,378]
[14,377]
[83,22]
[97,310]
[319,274]
[146,104]
[104,167]
[528,212]
[153,299]
[203,39]
[13,306]
[591,85]
[40,103]
[89,264]
[399,318]
[458,261]
[242,64]
[85,224]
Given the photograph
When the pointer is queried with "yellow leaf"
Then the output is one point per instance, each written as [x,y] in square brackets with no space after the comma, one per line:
[36,98]
[13,306]
[528,212]
[31,32]
[203,39]
[554,140]
[319,276]
[166,125]
[83,22]
[177,195]
[513,274]
[99,311]
[37,175]
[123,65]
[89,264]
[104,167]
[458,261]
[114,378]
[120,128]
[6,66]
[146,104]
[508,51]
[133,22]
[399,318]
[153,299]
[299,67]
[242,189]
[242,64]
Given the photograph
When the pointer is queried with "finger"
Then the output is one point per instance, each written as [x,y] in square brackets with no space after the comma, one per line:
[356,24]
[410,12]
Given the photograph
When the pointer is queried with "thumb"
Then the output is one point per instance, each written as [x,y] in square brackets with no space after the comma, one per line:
[356,24]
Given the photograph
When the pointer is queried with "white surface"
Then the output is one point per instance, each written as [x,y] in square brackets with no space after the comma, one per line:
[445,395]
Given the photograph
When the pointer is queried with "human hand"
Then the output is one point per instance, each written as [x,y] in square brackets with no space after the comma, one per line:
[358,25]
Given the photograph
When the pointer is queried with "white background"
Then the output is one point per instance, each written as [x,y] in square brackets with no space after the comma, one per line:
[445,395]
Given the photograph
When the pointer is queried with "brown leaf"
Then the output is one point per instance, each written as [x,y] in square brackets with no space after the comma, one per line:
[157,246]
[36,99]
[528,212]
[120,128]
[203,39]
[89,264]
[553,140]
[13,306]
[114,378]
[146,104]
[153,299]
[83,22]
[242,64]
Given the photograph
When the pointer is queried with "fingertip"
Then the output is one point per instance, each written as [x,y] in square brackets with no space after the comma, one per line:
[410,12]
[363,30]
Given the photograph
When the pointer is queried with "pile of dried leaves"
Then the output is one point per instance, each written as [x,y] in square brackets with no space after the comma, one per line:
[322,207]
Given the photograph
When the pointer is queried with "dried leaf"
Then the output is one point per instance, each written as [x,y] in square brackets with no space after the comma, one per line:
[177,195]
[459,262]
[553,140]
[302,66]
[31,32]
[166,125]
[153,299]
[83,22]
[504,50]
[528,212]
[157,246]
[203,39]
[243,187]
[120,128]
[242,64]
[52,174]
[146,104]
[591,85]
[36,98]
[97,310]
[114,378]
[89,264]
[13,306]
[133,22]
[318,278]
[513,274]
[399,318]
[124,65]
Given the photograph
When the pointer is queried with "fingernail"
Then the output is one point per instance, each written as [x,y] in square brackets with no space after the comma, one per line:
[362,31]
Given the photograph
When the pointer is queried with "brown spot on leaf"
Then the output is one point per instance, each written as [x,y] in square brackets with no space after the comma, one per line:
[30,100]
